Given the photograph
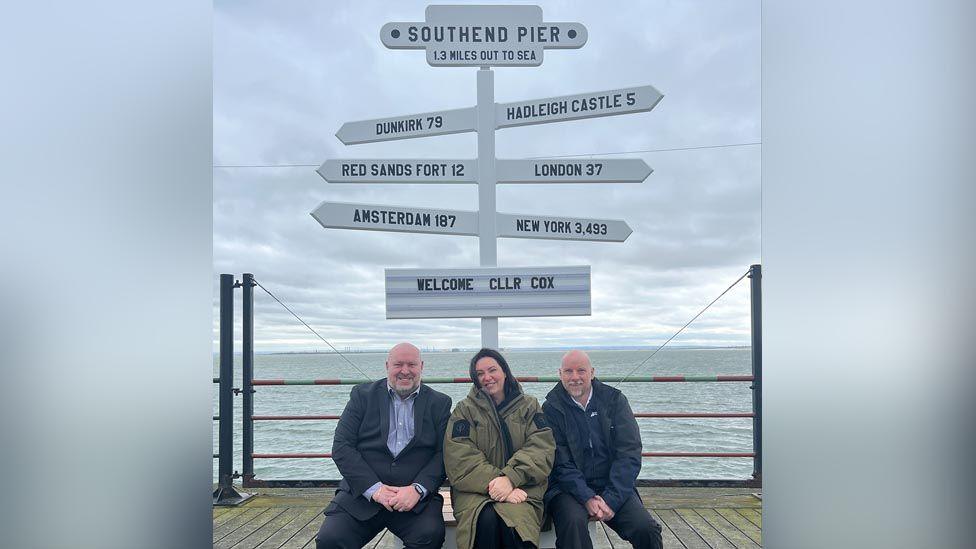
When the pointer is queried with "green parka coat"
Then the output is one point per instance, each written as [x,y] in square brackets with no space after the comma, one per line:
[475,453]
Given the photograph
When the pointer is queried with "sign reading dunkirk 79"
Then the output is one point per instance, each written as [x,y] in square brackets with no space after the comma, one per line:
[485,36]
[482,36]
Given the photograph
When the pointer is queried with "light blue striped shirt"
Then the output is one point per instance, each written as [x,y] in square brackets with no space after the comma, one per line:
[401,430]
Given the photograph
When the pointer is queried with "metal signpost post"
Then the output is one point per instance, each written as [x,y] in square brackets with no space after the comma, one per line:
[483,37]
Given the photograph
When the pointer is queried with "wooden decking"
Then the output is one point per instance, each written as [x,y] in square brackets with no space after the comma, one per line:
[692,518]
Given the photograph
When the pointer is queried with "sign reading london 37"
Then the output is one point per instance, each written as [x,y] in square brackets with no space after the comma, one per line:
[485,36]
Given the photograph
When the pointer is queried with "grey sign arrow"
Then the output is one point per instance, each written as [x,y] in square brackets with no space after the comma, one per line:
[405,219]
[562,228]
[577,107]
[408,126]
[561,170]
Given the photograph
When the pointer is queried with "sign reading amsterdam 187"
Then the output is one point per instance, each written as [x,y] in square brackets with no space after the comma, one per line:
[485,36]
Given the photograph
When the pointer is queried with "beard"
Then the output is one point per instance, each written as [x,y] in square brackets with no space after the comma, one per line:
[576,391]
[403,391]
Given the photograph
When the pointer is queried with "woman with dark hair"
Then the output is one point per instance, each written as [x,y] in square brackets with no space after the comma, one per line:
[498,452]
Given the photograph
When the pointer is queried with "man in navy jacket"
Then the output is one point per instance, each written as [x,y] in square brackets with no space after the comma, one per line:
[598,457]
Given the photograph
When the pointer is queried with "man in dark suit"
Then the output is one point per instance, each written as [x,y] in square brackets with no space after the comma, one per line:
[389,446]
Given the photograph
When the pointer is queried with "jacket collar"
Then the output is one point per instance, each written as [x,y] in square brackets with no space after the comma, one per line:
[602,392]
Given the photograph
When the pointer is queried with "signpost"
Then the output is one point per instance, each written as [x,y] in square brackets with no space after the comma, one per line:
[485,36]
[494,292]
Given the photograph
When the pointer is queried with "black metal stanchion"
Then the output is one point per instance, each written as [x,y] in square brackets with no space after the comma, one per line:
[225,494]
[247,344]
[755,274]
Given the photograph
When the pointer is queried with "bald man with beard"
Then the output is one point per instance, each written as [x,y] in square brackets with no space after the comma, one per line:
[598,458]
[389,448]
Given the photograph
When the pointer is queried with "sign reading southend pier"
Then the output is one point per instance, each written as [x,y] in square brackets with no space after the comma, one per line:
[494,292]
[482,36]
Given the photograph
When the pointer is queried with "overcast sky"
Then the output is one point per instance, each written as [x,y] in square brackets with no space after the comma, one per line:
[287,75]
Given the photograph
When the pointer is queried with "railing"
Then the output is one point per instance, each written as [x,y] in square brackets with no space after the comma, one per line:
[225,417]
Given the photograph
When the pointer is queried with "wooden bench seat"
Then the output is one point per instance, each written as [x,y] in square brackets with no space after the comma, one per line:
[546,541]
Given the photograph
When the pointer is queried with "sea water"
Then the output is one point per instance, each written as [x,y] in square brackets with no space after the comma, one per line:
[657,434]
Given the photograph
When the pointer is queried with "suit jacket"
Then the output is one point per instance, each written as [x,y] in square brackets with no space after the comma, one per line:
[360,452]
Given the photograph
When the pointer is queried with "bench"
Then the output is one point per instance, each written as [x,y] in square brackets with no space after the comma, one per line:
[546,541]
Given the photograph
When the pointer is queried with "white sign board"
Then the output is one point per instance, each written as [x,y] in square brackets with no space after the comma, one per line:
[553,227]
[371,217]
[407,126]
[577,107]
[482,36]
[417,170]
[561,170]
[488,292]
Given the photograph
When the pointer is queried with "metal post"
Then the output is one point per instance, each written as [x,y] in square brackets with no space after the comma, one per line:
[225,494]
[755,274]
[247,344]
[487,180]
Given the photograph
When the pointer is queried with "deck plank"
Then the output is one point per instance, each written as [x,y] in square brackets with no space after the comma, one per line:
[727,529]
[752,516]
[388,541]
[305,516]
[228,514]
[257,537]
[712,537]
[303,536]
[667,536]
[685,534]
[599,536]
[240,519]
[220,510]
[691,518]
[740,522]
[247,529]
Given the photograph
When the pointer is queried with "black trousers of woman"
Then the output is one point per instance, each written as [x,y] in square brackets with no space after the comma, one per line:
[493,533]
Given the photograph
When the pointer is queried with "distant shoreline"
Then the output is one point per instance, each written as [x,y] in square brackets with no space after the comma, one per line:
[510,349]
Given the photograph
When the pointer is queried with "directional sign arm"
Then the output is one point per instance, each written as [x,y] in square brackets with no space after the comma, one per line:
[408,126]
[399,170]
[562,228]
[406,219]
[561,170]
[577,107]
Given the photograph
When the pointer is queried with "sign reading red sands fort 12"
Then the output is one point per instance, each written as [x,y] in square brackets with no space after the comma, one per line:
[483,36]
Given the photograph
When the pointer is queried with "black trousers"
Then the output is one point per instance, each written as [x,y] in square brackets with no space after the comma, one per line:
[493,533]
[632,523]
[424,530]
